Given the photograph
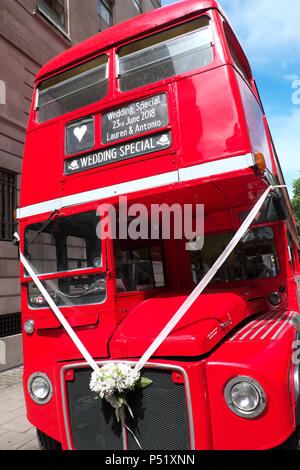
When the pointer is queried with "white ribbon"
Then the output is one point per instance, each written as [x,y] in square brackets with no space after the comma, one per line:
[58,313]
[204,281]
[180,312]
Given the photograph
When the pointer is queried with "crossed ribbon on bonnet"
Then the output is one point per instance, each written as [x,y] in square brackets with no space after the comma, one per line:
[135,371]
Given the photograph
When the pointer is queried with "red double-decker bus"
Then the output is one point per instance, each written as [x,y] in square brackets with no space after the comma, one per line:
[159,112]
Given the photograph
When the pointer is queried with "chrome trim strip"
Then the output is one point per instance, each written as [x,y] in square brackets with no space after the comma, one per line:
[257,323]
[217,167]
[283,325]
[154,365]
[262,318]
[278,320]
[274,317]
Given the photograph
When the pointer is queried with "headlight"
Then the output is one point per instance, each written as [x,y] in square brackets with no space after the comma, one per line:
[40,388]
[274,298]
[29,327]
[245,397]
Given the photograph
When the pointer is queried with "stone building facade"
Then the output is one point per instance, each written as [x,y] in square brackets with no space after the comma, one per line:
[31,33]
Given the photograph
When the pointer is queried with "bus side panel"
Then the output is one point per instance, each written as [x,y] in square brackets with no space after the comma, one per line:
[211,118]
[268,362]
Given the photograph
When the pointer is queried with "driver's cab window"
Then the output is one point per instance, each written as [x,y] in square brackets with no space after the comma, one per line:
[254,257]
[291,252]
[64,244]
[139,265]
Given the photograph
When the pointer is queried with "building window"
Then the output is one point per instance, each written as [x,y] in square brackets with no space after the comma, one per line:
[8,204]
[10,324]
[54,11]
[105,14]
[138,5]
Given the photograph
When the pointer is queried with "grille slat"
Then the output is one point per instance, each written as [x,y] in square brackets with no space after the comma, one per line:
[160,415]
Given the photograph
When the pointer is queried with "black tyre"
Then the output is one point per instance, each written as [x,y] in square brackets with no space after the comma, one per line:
[46,442]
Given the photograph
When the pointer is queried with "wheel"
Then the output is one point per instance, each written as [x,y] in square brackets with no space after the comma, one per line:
[46,442]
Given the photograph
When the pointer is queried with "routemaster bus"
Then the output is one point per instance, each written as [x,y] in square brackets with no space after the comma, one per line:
[150,127]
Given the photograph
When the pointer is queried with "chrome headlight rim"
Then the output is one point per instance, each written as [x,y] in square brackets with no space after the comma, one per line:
[29,327]
[37,400]
[262,399]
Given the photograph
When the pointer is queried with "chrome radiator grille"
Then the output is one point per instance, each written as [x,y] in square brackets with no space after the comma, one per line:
[161,419]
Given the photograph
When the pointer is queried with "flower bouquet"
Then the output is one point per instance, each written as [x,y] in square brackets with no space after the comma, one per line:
[113,380]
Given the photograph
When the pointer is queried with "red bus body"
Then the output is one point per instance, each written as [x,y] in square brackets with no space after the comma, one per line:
[218,135]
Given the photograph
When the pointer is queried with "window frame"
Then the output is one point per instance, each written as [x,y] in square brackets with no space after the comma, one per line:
[143,244]
[108,6]
[138,5]
[58,278]
[273,227]
[292,256]
[150,47]
[63,28]
[72,272]
[70,80]
[236,53]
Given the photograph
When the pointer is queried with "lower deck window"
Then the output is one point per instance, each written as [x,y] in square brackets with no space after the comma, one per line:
[61,245]
[65,244]
[70,291]
[254,257]
[138,267]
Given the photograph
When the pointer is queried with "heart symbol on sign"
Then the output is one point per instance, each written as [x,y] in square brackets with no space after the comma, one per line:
[79,132]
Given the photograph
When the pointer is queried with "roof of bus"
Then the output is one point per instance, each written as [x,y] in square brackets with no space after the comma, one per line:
[126,31]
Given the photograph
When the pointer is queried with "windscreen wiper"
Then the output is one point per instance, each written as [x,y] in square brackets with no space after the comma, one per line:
[44,226]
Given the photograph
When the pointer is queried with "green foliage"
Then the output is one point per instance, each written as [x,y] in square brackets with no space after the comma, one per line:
[296,202]
[144,382]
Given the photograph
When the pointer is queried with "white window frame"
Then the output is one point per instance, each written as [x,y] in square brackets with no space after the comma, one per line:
[64,30]
[138,5]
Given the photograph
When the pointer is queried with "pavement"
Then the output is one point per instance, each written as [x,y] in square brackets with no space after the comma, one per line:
[16,433]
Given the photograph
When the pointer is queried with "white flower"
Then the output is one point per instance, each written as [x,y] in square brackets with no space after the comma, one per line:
[113,379]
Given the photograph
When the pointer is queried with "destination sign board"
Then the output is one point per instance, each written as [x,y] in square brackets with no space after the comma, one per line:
[137,118]
[119,152]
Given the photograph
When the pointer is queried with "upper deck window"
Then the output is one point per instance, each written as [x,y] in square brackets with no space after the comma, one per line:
[166,54]
[77,87]
[237,53]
